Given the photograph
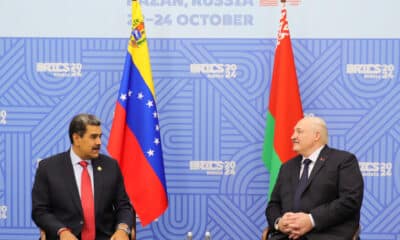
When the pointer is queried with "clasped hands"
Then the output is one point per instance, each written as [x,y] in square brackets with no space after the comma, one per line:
[295,225]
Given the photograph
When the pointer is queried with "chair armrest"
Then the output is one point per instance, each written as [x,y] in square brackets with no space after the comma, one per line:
[42,235]
[265,234]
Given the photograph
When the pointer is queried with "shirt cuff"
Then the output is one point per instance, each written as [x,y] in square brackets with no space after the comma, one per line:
[312,220]
[124,227]
[276,224]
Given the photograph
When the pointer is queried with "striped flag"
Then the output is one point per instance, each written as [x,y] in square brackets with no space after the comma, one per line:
[284,105]
[135,133]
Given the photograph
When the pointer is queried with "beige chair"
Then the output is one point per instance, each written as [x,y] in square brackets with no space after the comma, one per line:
[356,235]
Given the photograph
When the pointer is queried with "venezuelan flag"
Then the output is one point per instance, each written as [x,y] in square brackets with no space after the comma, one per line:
[135,133]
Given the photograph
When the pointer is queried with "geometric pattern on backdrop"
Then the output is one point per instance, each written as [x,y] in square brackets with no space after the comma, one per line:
[212,125]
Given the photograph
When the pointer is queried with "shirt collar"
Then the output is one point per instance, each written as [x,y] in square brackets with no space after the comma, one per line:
[76,159]
[314,156]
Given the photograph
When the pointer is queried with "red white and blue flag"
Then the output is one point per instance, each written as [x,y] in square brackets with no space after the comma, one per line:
[135,133]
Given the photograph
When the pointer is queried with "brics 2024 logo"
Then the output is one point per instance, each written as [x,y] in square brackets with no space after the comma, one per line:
[372,71]
[60,69]
[214,167]
[376,169]
[214,70]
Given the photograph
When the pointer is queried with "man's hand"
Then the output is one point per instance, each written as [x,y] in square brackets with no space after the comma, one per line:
[119,235]
[67,235]
[285,222]
[298,224]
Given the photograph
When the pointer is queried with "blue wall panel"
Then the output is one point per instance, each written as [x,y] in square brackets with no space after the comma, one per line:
[212,99]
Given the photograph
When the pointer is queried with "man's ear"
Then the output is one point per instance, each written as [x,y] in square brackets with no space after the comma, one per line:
[317,136]
[76,138]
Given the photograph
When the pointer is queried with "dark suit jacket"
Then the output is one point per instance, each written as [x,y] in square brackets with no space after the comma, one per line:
[56,202]
[333,195]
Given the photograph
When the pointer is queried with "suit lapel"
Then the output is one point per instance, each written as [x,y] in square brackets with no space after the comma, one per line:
[72,185]
[323,156]
[295,177]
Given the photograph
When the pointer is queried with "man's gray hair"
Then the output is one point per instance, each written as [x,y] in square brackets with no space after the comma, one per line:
[319,125]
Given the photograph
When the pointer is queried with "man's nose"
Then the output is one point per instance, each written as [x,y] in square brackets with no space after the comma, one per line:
[293,136]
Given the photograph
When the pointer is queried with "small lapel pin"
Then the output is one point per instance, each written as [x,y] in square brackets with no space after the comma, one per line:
[99,168]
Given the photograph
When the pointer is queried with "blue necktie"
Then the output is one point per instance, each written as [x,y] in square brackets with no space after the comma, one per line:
[302,185]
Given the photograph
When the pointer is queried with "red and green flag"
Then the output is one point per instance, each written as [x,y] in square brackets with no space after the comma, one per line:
[284,105]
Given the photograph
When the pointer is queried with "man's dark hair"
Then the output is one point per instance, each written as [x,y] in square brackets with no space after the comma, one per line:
[79,122]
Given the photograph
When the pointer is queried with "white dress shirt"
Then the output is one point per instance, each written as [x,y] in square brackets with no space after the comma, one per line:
[75,159]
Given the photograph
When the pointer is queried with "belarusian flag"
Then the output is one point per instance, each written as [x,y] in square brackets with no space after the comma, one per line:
[284,105]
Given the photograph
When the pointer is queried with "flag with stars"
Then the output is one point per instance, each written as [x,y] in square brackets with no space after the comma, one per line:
[135,133]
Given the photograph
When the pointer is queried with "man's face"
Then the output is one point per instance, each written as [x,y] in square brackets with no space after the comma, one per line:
[304,138]
[88,146]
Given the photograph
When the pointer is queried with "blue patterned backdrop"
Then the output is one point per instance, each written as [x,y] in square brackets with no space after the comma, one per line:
[212,124]
[212,96]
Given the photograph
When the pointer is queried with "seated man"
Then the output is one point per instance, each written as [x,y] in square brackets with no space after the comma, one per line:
[80,193]
[318,194]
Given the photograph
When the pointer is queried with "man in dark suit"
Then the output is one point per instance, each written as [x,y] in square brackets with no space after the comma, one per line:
[323,204]
[67,208]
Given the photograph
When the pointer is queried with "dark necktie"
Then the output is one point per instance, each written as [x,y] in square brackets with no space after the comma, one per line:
[302,185]
[87,200]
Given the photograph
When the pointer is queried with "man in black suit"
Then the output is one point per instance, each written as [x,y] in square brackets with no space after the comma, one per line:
[326,203]
[57,190]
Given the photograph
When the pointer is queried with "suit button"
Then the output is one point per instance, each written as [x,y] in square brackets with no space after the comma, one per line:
[81,222]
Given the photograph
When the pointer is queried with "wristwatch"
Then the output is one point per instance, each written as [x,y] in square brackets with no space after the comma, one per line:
[124,227]
[276,224]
